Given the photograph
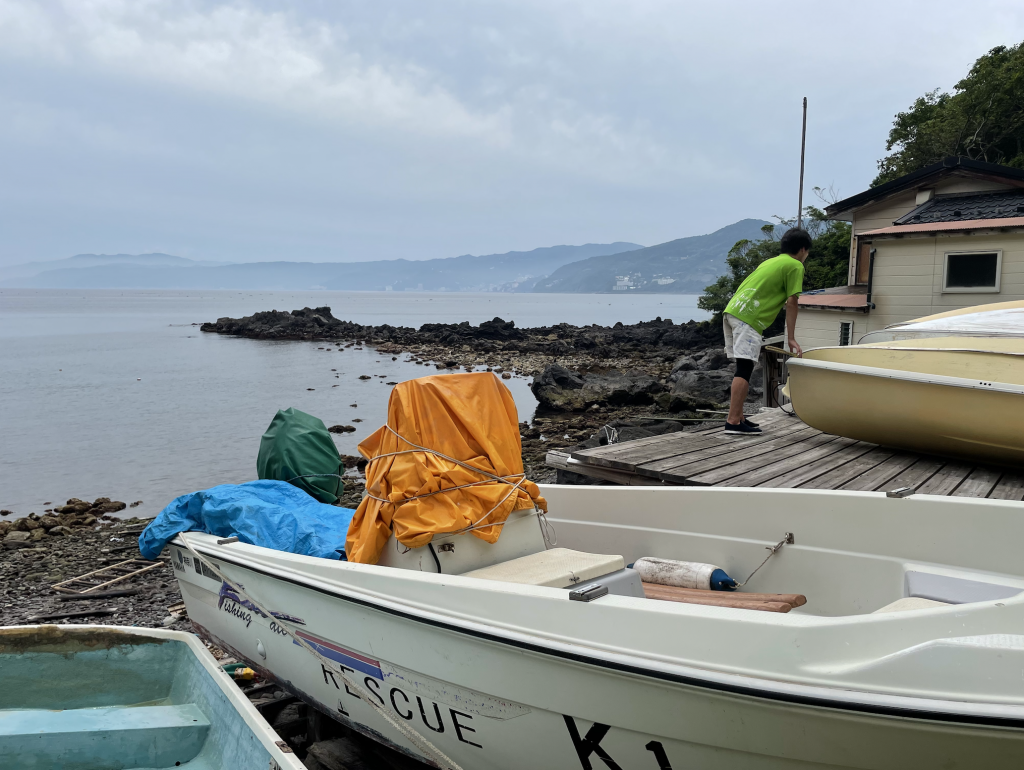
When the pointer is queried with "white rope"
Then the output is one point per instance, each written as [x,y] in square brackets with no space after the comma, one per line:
[491,478]
[412,735]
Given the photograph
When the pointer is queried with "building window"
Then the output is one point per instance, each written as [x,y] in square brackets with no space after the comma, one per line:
[976,271]
[845,333]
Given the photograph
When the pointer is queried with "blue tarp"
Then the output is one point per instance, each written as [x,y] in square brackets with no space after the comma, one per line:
[272,514]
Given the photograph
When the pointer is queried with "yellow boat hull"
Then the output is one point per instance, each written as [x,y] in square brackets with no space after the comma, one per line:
[936,396]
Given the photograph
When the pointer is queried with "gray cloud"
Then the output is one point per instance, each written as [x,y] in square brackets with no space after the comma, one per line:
[345,131]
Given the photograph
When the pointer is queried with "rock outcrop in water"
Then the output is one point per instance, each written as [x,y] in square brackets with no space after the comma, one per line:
[620,340]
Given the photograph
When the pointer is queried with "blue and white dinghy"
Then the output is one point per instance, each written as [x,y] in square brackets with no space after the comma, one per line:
[112,698]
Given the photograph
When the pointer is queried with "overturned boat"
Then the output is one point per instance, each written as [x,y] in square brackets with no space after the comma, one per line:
[112,698]
[956,396]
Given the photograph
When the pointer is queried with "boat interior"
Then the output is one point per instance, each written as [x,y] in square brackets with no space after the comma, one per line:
[101,698]
[830,570]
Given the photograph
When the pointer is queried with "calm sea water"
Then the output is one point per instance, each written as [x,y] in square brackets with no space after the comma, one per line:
[116,394]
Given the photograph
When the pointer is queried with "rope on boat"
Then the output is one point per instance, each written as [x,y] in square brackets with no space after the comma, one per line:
[546,529]
[415,737]
[774,549]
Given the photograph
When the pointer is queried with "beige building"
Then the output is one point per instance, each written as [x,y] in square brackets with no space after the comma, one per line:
[950,235]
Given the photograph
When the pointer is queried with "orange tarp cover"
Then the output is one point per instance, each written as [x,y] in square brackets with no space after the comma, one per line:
[468,417]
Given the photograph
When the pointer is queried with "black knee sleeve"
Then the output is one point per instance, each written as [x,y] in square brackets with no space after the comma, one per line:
[744,368]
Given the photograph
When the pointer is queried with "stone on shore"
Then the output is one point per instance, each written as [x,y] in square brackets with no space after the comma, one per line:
[560,389]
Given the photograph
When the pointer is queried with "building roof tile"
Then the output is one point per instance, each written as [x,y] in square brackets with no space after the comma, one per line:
[961,208]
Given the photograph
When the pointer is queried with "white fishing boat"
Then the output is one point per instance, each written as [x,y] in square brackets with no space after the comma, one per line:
[908,652]
[114,698]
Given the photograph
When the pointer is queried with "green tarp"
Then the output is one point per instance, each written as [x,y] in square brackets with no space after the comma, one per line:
[297,444]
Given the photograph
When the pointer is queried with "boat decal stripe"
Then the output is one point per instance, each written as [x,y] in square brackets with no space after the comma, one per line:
[753,692]
[340,655]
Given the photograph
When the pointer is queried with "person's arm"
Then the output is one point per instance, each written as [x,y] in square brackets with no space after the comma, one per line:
[792,308]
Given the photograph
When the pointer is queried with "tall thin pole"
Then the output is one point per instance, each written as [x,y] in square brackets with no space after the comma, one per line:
[803,146]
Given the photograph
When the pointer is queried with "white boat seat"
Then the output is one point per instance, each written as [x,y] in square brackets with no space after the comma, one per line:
[910,603]
[557,567]
[956,590]
[458,553]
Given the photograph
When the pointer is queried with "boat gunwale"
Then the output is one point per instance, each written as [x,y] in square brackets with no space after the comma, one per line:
[1006,716]
[909,376]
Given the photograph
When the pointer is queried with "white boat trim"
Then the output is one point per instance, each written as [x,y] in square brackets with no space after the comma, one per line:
[899,374]
[949,711]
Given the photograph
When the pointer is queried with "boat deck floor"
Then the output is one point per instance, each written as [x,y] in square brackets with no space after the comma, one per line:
[788,454]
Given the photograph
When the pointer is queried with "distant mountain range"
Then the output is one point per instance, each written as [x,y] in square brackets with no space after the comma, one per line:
[514,271]
[682,266]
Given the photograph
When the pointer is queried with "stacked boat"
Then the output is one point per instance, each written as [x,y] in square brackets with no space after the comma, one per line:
[949,384]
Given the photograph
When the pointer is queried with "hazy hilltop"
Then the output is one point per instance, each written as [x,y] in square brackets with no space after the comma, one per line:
[512,271]
[156,259]
[683,266]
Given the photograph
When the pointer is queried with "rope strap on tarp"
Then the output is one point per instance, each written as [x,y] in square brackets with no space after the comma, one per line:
[513,480]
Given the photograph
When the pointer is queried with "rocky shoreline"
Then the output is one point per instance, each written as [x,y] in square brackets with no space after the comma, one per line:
[72,540]
[584,377]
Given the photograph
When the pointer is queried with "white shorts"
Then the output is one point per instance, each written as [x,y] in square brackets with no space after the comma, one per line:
[741,339]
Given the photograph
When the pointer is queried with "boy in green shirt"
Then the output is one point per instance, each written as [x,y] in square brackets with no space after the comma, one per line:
[775,283]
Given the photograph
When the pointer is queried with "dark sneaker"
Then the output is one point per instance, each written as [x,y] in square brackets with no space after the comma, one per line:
[741,428]
[749,423]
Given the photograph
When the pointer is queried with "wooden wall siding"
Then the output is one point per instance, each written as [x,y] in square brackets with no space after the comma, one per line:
[789,454]
[963,185]
[883,213]
[908,284]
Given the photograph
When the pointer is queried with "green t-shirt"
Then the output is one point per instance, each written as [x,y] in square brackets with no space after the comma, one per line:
[764,292]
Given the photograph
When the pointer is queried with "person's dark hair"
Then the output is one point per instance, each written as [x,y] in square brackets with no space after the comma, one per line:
[794,240]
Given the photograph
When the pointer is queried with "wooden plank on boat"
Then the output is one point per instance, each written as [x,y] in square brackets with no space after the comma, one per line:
[979,483]
[882,474]
[794,600]
[946,479]
[1009,487]
[723,599]
[851,471]
[754,472]
[821,466]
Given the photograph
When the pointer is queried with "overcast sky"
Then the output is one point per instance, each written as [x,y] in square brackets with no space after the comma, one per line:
[340,130]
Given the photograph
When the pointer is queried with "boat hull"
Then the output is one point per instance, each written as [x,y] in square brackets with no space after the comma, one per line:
[957,403]
[491,700]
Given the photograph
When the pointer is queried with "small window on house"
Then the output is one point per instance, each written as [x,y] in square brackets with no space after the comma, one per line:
[845,333]
[976,271]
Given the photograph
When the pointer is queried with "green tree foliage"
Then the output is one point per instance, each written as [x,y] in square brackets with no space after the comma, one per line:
[827,265]
[983,119]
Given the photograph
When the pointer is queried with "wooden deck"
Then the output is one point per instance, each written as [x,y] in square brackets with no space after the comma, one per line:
[789,454]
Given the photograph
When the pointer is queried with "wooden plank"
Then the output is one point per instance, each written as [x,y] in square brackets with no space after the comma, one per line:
[724,599]
[562,461]
[625,456]
[759,476]
[945,480]
[794,600]
[918,473]
[852,470]
[881,474]
[723,471]
[711,454]
[979,484]
[1009,487]
[821,466]
[646,450]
